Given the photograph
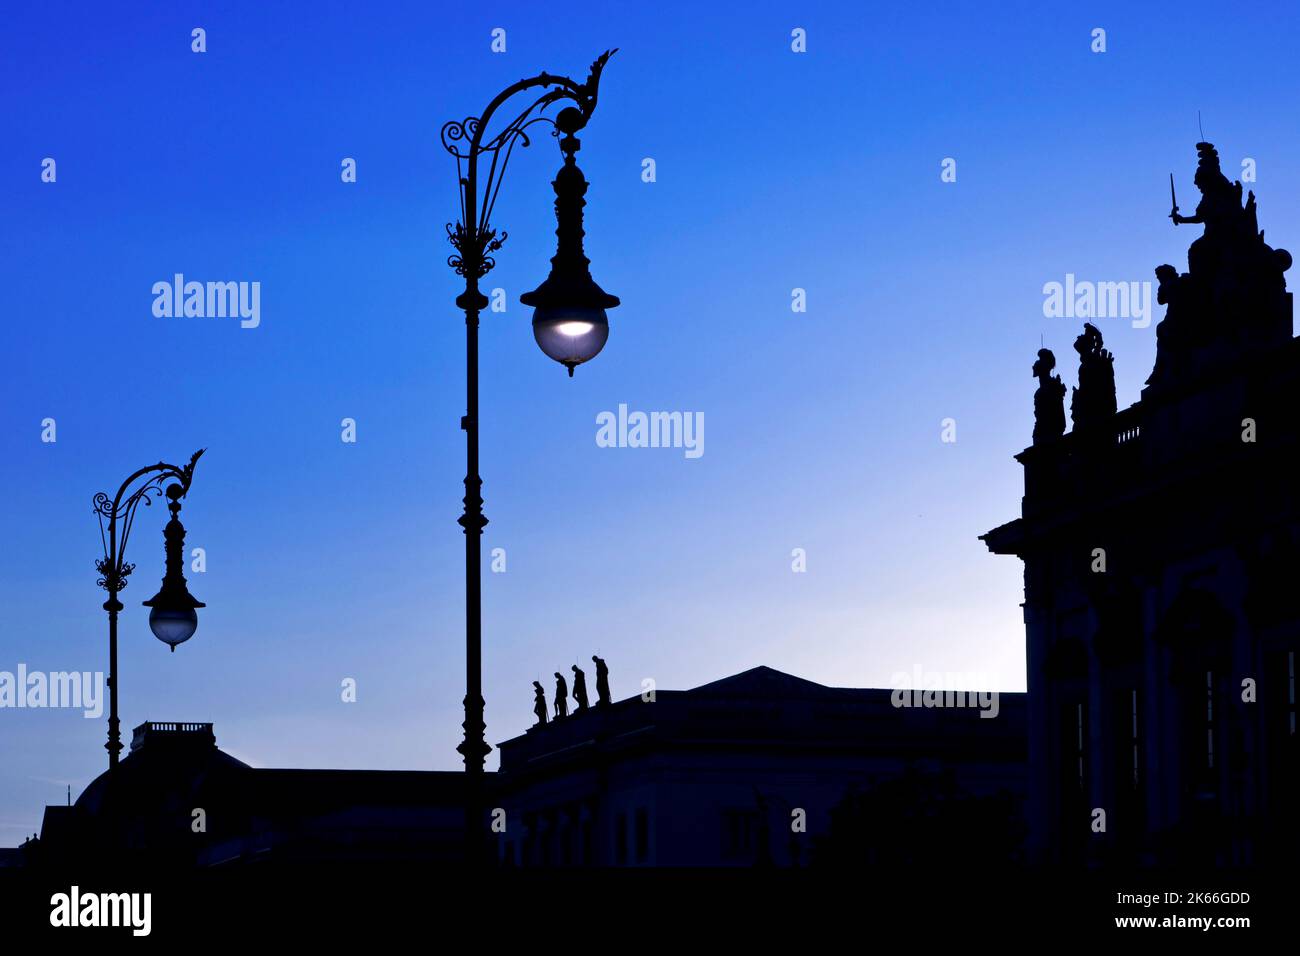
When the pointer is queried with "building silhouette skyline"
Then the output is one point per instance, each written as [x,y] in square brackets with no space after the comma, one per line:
[1158,542]
[1158,728]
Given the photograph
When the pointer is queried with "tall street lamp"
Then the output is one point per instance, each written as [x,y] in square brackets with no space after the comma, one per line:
[172,617]
[569,324]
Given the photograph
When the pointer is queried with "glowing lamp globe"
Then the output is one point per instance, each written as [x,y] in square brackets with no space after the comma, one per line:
[173,626]
[571,336]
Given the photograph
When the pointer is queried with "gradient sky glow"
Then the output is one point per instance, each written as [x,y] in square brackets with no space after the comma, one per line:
[775,170]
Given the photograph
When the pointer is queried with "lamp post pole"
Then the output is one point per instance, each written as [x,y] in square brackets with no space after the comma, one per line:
[475,240]
[173,617]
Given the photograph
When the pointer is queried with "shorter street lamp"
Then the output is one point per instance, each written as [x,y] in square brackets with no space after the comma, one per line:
[172,617]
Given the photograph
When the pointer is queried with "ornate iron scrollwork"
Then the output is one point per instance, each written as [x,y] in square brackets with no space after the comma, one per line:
[464,140]
[117,515]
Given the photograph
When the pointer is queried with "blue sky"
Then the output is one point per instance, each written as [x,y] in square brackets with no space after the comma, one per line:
[775,171]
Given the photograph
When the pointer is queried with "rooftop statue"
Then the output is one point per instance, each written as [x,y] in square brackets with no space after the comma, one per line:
[1184,329]
[539,703]
[1049,399]
[1093,401]
[602,680]
[561,696]
[579,688]
[1233,296]
[1219,210]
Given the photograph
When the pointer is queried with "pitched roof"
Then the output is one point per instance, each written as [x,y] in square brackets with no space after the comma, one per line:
[765,682]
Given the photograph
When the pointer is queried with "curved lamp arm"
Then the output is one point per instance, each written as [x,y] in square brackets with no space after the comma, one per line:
[120,514]
[465,140]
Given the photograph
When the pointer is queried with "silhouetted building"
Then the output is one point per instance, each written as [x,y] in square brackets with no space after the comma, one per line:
[1161,545]
[719,776]
[708,776]
[177,800]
